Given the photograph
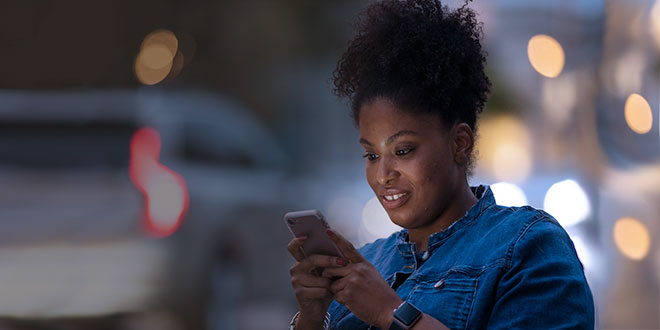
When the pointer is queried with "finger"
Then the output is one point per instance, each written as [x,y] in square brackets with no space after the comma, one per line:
[312,293]
[346,248]
[324,261]
[295,246]
[336,272]
[338,285]
[304,267]
[310,281]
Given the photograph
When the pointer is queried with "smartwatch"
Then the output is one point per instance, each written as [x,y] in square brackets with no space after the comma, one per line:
[405,316]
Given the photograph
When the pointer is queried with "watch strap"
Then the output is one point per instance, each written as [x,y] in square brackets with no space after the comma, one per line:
[396,325]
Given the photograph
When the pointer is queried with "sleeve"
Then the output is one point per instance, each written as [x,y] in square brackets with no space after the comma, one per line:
[544,286]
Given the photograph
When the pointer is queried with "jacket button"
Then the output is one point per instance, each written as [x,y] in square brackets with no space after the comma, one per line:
[425,255]
[439,284]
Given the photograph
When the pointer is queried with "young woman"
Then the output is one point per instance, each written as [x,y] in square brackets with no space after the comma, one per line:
[415,76]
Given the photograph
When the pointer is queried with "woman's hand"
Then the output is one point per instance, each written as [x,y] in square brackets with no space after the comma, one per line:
[312,290]
[360,287]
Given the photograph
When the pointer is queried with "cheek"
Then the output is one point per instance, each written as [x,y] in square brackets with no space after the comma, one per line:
[433,172]
[371,176]
[434,179]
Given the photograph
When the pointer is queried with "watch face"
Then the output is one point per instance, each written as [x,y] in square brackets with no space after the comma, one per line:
[407,313]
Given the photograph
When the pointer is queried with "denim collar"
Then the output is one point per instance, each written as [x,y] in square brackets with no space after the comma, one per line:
[486,199]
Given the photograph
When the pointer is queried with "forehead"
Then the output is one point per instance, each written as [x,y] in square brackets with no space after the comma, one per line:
[383,117]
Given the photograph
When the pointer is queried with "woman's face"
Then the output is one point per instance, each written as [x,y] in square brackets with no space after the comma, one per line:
[410,162]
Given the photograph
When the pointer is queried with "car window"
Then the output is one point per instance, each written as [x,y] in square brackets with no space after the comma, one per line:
[210,143]
[56,144]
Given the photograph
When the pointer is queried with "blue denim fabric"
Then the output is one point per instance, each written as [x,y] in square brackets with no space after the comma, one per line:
[495,268]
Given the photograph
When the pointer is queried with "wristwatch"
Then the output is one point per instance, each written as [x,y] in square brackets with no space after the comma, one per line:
[405,316]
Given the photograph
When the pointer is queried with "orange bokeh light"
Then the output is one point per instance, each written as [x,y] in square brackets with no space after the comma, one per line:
[546,55]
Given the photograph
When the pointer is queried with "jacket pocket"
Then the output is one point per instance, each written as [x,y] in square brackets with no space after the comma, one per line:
[448,298]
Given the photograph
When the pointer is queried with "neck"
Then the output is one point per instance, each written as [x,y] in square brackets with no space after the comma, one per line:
[456,209]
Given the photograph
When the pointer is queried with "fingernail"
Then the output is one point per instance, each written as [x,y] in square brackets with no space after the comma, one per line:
[330,232]
[302,238]
[341,261]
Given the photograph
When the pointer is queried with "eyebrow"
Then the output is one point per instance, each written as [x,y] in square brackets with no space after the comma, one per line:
[393,137]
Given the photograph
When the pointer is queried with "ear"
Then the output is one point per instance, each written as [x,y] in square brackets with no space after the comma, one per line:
[463,143]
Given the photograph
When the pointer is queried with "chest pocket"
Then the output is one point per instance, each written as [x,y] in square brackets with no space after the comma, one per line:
[448,298]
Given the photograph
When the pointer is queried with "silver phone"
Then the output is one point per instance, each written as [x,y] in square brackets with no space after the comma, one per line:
[311,223]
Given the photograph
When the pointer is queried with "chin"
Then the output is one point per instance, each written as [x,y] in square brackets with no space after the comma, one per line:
[399,219]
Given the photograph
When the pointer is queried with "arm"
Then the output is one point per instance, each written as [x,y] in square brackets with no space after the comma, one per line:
[544,285]
[302,323]
[428,322]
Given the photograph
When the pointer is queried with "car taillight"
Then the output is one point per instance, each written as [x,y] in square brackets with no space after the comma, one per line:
[164,190]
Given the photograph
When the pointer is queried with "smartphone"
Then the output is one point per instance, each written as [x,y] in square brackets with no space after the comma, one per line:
[311,223]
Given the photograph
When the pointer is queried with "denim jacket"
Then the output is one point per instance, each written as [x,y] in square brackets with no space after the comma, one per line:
[495,268]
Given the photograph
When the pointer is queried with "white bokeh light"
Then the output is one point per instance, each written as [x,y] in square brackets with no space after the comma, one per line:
[166,201]
[567,202]
[508,194]
[583,252]
[363,236]
[376,221]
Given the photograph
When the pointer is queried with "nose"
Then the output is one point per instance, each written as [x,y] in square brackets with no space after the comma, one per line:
[387,172]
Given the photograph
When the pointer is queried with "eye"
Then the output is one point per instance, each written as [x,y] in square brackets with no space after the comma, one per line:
[370,156]
[403,152]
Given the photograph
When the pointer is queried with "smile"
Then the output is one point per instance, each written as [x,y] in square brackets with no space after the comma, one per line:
[394,197]
[394,200]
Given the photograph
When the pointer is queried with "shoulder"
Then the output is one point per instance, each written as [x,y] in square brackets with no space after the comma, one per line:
[514,217]
[541,265]
[514,231]
[514,220]
[543,235]
[532,234]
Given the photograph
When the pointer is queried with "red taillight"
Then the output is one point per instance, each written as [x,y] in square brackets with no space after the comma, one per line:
[165,190]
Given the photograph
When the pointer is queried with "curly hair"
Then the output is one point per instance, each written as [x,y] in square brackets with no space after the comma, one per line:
[419,55]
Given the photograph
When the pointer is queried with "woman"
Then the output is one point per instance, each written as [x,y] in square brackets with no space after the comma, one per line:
[415,77]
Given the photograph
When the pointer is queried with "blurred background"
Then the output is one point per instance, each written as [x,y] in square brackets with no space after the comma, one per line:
[149,149]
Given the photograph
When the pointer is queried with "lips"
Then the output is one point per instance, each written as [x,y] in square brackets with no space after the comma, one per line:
[392,198]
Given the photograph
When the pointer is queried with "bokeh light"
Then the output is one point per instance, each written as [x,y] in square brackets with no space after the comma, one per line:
[504,149]
[632,238]
[167,201]
[150,76]
[163,38]
[508,194]
[655,23]
[559,97]
[155,56]
[376,221]
[512,162]
[155,59]
[546,55]
[177,65]
[628,72]
[639,116]
[567,202]
[343,212]
[164,190]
